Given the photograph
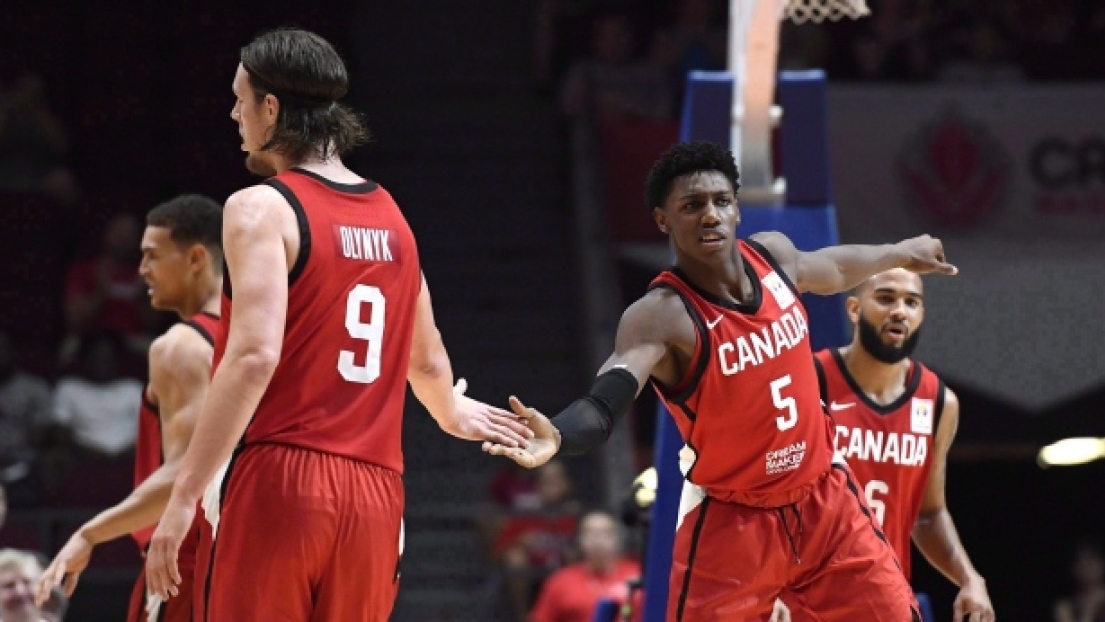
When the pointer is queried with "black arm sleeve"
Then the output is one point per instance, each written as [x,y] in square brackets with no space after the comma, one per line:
[587,422]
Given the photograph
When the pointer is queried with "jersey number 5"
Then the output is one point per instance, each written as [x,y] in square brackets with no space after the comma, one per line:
[784,403]
[372,333]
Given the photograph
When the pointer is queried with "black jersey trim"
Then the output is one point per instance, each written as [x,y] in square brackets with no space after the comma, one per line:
[215,542]
[363,187]
[695,535]
[228,290]
[202,331]
[694,463]
[911,384]
[770,259]
[822,386]
[749,308]
[304,228]
[941,395]
[689,383]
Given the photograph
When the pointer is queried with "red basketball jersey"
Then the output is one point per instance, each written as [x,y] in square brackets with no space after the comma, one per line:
[148,455]
[341,382]
[749,406]
[889,448]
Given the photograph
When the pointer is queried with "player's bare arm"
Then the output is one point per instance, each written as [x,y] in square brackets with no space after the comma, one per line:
[655,339]
[935,533]
[180,367]
[430,375]
[259,235]
[837,269]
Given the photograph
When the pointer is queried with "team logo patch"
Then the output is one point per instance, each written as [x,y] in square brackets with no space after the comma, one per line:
[920,421]
[779,290]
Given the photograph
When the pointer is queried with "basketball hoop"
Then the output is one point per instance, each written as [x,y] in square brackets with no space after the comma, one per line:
[753,55]
[817,11]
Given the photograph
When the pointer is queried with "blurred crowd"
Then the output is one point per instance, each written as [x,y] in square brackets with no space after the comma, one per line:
[68,418]
[554,559]
[610,59]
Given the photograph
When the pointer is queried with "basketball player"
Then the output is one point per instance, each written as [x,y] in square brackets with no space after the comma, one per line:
[724,339]
[182,266]
[895,421]
[329,318]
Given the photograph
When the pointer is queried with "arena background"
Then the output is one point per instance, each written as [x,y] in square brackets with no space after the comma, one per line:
[980,125]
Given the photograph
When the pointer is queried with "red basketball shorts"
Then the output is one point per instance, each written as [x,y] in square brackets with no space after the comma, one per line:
[305,536]
[203,565]
[823,555]
[177,609]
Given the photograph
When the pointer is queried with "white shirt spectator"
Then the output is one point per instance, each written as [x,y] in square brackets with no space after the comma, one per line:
[24,403]
[102,417]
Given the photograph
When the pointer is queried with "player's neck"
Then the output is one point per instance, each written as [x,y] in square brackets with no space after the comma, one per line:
[207,300]
[725,279]
[331,168]
[882,382]
[213,304]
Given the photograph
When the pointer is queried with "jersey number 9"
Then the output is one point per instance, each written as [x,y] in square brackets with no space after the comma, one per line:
[372,333]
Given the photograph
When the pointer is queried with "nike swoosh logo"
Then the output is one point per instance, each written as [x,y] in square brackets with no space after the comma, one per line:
[835,406]
[711,325]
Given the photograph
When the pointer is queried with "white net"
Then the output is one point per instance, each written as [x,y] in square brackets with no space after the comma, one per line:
[817,11]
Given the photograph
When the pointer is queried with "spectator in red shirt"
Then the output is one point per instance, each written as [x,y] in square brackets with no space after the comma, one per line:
[571,593]
[532,544]
[103,293]
[514,488]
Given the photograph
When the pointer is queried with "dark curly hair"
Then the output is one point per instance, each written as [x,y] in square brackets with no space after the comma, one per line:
[192,219]
[308,77]
[686,158]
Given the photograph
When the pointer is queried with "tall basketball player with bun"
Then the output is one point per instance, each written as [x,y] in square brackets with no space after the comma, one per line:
[895,421]
[182,263]
[329,319]
[724,339]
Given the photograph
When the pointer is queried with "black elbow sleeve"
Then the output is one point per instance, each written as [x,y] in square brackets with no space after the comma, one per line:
[587,422]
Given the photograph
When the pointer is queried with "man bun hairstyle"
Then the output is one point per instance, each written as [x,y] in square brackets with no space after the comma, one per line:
[308,77]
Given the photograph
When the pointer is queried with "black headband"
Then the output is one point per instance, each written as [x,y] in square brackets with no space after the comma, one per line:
[285,97]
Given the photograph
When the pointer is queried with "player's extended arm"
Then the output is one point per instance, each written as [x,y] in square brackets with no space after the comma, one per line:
[643,338]
[180,372]
[935,533]
[180,368]
[835,269]
[257,261]
[430,375]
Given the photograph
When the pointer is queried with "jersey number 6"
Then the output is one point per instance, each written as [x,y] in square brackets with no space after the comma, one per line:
[872,488]
[372,332]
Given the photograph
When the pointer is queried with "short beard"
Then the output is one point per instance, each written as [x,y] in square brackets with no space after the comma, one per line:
[258,166]
[870,340]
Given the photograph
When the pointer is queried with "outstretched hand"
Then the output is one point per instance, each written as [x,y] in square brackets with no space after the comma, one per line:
[476,421]
[926,254]
[66,568]
[973,602]
[540,449]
